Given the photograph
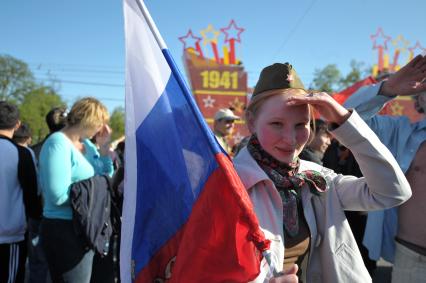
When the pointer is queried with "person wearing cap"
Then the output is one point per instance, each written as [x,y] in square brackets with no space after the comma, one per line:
[320,141]
[223,126]
[300,204]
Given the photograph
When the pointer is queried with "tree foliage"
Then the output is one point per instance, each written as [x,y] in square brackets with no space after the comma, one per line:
[35,100]
[355,75]
[34,107]
[117,123]
[331,80]
[326,79]
[16,79]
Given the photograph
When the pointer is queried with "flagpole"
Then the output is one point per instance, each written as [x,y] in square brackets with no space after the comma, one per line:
[267,255]
[151,24]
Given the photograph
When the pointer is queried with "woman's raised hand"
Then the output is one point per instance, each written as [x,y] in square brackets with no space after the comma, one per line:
[326,106]
[103,139]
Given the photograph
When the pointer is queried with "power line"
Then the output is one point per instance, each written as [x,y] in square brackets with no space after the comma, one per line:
[97,96]
[62,65]
[80,76]
[82,82]
[78,70]
[92,83]
[294,28]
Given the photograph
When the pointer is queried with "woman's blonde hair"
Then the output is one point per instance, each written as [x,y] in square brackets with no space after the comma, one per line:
[88,112]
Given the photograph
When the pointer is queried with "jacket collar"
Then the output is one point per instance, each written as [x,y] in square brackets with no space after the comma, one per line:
[248,169]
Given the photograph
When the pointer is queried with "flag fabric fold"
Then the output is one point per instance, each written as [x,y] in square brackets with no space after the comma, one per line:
[344,94]
[186,215]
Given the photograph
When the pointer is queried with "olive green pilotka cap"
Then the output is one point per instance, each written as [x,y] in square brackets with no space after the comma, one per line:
[278,76]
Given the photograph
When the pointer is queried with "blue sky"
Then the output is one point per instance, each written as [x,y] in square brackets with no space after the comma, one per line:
[81,43]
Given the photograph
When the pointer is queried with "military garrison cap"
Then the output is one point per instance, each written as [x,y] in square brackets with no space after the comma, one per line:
[278,76]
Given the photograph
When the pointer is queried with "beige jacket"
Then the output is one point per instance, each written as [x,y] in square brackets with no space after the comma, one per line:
[334,255]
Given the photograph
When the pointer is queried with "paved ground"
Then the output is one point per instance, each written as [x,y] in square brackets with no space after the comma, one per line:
[382,274]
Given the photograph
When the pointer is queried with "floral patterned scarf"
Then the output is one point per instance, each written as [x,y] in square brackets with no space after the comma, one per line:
[288,182]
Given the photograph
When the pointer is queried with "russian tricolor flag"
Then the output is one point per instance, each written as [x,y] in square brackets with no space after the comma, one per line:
[187,216]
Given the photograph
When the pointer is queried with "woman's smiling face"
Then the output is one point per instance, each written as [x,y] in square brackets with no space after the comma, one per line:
[282,130]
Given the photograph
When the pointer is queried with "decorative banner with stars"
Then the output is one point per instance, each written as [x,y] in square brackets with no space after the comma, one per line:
[418,48]
[400,47]
[380,42]
[209,102]
[220,81]
[210,35]
[190,41]
[402,106]
[232,33]
[217,86]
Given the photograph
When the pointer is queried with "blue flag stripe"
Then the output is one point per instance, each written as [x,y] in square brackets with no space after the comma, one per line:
[190,99]
[174,161]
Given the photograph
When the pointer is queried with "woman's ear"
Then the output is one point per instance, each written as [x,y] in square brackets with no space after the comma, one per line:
[250,122]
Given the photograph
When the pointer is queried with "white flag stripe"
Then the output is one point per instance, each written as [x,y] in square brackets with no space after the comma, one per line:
[147,73]
[152,25]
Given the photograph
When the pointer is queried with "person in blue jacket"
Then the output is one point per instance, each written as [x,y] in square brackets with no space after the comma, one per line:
[65,159]
[399,235]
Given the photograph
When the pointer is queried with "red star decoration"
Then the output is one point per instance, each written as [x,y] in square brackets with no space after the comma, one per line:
[229,34]
[189,37]
[417,46]
[380,35]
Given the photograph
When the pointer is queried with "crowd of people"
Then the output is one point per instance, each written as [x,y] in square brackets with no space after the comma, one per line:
[57,210]
[332,194]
